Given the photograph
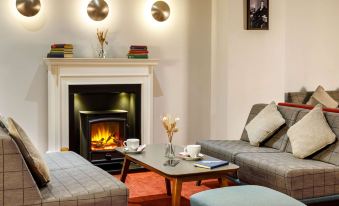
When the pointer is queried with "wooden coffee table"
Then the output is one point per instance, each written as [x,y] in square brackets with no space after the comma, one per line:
[153,159]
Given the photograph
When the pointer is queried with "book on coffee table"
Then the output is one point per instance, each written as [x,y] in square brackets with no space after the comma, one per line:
[210,164]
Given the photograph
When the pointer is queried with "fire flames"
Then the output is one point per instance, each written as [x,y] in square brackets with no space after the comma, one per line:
[105,136]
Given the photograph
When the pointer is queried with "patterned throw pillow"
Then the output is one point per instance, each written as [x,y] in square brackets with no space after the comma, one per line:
[320,96]
[32,157]
[264,124]
[310,134]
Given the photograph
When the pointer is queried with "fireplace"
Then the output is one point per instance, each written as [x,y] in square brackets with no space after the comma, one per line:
[101,118]
[101,132]
[64,73]
[105,134]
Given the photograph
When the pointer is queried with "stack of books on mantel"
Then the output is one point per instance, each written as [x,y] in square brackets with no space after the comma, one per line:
[61,51]
[138,52]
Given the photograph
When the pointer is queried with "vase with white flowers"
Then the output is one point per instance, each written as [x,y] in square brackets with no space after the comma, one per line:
[170,124]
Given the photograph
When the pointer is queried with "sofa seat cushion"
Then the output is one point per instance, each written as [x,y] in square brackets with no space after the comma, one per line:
[228,149]
[64,160]
[82,183]
[299,178]
[254,196]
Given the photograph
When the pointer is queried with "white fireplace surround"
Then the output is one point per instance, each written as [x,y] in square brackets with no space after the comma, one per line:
[87,71]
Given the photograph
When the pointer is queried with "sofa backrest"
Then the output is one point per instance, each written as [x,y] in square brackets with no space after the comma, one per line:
[15,179]
[329,154]
[279,138]
[303,97]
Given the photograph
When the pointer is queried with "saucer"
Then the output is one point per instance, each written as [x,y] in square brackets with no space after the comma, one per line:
[140,149]
[127,151]
[185,156]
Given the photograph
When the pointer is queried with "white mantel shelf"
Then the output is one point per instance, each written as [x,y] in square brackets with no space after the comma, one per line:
[64,72]
[102,61]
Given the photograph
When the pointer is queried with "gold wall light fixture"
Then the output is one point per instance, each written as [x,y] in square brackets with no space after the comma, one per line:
[161,11]
[28,8]
[97,10]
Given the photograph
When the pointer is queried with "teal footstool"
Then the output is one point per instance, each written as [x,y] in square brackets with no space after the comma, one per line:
[248,195]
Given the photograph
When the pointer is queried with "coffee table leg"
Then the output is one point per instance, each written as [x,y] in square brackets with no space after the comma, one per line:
[198,183]
[124,170]
[220,181]
[168,186]
[177,184]
[223,182]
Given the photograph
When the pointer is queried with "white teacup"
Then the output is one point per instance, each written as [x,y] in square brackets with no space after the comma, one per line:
[132,144]
[193,150]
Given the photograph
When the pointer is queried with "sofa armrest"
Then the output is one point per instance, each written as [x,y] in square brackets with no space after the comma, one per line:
[17,186]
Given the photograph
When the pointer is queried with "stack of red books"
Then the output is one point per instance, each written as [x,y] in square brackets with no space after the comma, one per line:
[138,52]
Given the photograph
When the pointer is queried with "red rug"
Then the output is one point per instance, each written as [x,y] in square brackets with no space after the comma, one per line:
[148,189]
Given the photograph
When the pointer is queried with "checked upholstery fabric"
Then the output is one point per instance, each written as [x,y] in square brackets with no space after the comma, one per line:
[272,165]
[74,181]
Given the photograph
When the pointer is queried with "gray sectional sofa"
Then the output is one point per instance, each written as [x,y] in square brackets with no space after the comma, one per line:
[74,181]
[314,179]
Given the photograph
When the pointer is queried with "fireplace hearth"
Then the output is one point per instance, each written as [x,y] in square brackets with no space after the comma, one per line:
[101,118]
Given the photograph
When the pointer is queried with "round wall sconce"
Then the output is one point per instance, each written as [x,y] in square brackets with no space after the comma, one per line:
[28,8]
[97,10]
[160,11]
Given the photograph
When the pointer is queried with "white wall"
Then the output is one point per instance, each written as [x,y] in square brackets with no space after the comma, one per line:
[248,66]
[182,44]
[312,44]
[300,50]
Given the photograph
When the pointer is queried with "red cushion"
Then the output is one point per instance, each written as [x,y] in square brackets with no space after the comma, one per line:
[309,107]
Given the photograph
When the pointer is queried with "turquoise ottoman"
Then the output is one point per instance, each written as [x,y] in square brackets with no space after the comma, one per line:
[248,195]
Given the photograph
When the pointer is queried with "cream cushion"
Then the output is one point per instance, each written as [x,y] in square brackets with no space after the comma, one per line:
[33,159]
[320,96]
[264,124]
[310,134]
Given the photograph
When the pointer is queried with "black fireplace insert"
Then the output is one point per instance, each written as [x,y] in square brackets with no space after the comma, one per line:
[101,117]
[101,132]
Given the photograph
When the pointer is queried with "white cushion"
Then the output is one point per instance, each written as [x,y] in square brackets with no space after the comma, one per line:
[264,124]
[310,134]
[320,96]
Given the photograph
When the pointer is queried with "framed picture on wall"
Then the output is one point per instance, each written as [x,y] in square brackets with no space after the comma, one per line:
[257,14]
